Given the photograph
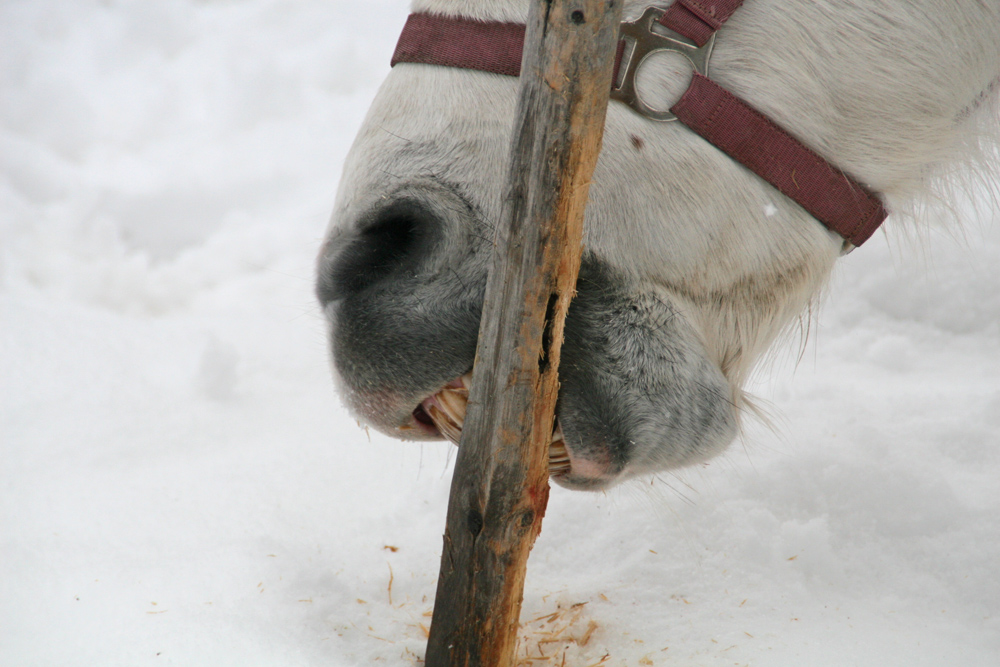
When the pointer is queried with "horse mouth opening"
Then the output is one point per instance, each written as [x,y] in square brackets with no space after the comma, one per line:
[443,414]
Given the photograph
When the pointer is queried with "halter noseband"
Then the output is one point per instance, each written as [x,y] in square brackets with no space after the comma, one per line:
[740,131]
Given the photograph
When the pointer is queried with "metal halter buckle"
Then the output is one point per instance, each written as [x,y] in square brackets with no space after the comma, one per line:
[640,42]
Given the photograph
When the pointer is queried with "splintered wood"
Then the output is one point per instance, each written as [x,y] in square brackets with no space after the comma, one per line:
[558,639]
[564,637]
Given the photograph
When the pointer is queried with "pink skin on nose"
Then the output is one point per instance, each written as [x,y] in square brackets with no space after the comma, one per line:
[585,468]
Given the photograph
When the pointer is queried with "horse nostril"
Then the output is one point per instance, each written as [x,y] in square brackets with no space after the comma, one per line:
[388,240]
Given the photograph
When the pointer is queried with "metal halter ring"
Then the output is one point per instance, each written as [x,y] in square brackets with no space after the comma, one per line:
[640,42]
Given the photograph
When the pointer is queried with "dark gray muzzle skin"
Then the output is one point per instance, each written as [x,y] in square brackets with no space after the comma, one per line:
[402,289]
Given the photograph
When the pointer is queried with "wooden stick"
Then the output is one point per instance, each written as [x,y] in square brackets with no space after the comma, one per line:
[500,486]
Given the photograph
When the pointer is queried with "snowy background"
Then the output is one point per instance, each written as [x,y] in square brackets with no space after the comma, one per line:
[180,486]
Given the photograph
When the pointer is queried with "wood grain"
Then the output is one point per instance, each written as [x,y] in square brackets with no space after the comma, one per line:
[500,486]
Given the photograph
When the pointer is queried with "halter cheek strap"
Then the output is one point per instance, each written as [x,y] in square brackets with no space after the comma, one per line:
[698,21]
[831,196]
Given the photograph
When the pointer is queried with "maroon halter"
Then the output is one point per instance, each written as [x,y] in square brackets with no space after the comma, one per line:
[727,122]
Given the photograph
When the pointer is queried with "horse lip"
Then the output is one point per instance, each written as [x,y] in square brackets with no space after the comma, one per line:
[421,422]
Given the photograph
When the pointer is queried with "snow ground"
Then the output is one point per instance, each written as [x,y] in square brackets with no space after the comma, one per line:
[181,487]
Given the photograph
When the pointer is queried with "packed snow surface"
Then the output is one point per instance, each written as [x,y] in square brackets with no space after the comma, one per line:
[179,484]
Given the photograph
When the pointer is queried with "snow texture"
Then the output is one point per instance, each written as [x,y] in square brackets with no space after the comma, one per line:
[180,486]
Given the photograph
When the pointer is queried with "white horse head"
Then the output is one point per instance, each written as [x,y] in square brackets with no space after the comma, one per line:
[692,264]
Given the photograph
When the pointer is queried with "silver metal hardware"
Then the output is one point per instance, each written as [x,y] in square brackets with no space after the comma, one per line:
[640,42]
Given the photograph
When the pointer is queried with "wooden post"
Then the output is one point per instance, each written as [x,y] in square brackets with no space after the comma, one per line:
[500,486]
